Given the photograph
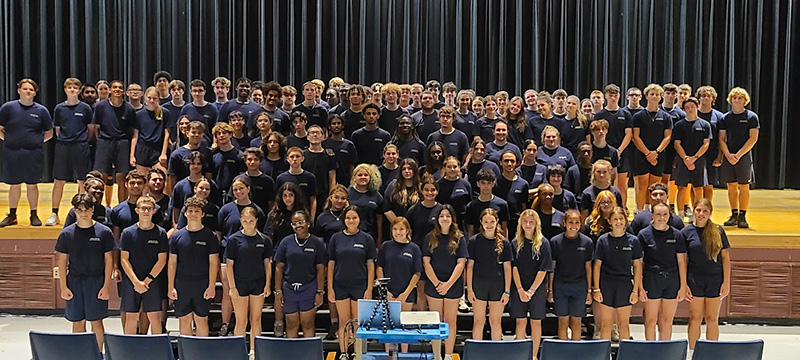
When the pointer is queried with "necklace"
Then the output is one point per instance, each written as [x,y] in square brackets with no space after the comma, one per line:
[298,241]
[337,217]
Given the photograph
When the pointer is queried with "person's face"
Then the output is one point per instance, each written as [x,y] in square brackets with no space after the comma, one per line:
[272,97]
[405,126]
[198,92]
[449,95]
[485,185]
[618,222]
[489,223]
[162,84]
[477,107]
[295,159]
[240,191]
[194,136]
[134,92]
[586,108]
[356,98]
[391,97]
[272,144]
[597,100]
[416,93]
[252,162]
[309,92]
[243,89]
[684,94]
[258,96]
[89,94]
[429,192]
[196,166]
[490,107]
[427,101]
[315,136]
[546,194]
[435,91]
[405,95]
[658,197]
[530,98]
[117,89]
[135,186]
[702,213]
[480,152]
[690,108]
[463,101]
[543,107]
[371,116]
[551,139]
[299,124]
[585,152]
[151,100]
[26,92]
[336,126]
[176,92]
[555,179]
[612,98]
[599,132]
[660,216]
[193,213]
[606,205]
[390,156]
[601,173]
[344,95]
[706,100]
[97,191]
[156,183]
[288,199]
[332,96]
[263,123]
[83,214]
[338,200]
[654,97]
[737,101]
[528,223]
[531,150]
[351,220]
[103,91]
[248,222]
[515,107]
[558,101]
[399,231]
[145,211]
[670,96]
[634,97]
[451,169]
[502,102]
[361,177]
[445,219]
[509,163]
[445,120]
[436,154]
[202,189]
[573,224]
[572,105]
[299,224]
[500,131]
[223,137]
[237,122]
[221,90]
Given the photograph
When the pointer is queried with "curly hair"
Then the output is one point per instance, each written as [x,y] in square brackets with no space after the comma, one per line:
[374,177]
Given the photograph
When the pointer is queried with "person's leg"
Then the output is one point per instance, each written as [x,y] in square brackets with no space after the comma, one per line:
[279,315]
[186,324]
[744,203]
[622,185]
[597,315]
[606,320]
[536,335]
[575,327]
[641,183]
[683,192]
[256,305]
[563,327]
[143,169]
[708,192]
[696,311]
[122,192]
[131,322]
[307,323]
[155,322]
[292,325]
[520,325]
[672,191]
[733,195]
[58,193]
[227,304]
[79,326]
[668,308]
[623,321]
[241,305]
[144,322]
[711,314]
[201,325]
[651,310]
[478,319]
[343,306]
[495,319]
[99,331]
[450,310]
[422,301]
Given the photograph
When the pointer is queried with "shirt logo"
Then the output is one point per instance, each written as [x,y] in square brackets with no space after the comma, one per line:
[35,116]
[453,144]
[360,246]
[377,140]
[659,119]
[620,118]
[517,191]
[94,239]
[152,242]
[670,241]
[343,151]
[581,248]
[259,245]
[459,190]
[626,248]
[555,225]
[414,151]
[373,203]
[408,254]
[201,243]
[78,114]
[743,121]
[308,250]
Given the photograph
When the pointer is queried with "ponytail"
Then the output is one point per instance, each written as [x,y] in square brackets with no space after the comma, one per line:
[712,236]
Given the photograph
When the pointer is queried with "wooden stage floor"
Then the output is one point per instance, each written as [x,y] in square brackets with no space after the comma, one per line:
[774,217]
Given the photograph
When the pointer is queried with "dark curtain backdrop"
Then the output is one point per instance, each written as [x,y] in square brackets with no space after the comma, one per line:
[578,45]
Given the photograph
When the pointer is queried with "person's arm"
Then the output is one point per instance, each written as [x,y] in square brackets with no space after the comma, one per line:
[665,141]
[702,150]
[61,260]
[457,272]
[370,278]
[172,267]
[390,216]
[318,298]
[331,294]
[748,145]
[725,289]
[723,143]
[48,135]
[379,224]
[597,295]
[589,272]
[124,259]
[506,283]
[429,273]
[233,292]
[108,259]
[682,265]
[164,149]
[412,284]
[213,266]
[470,293]
[637,141]
[313,206]
[268,273]
[625,140]
[279,282]
[637,280]
[540,277]
[523,295]
[134,141]
[331,178]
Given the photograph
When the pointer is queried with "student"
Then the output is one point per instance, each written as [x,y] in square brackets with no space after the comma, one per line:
[664,276]
[363,192]
[569,288]
[83,255]
[143,256]
[484,127]
[299,135]
[453,189]
[274,148]
[288,99]
[563,199]
[479,109]
[241,103]
[671,105]
[559,106]
[103,90]
[227,160]
[435,161]
[345,150]
[344,101]
[449,94]
[416,98]
[300,276]
[316,114]
[175,106]
[263,124]
[202,190]
[512,187]
[433,87]
[544,106]
[738,133]
[530,170]
[551,218]
[403,193]
[530,96]
[518,129]
[599,221]
[287,200]
[161,81]
[708,271]
[401,261]
[305,180]
[464,118]
[579,175]
[456,142]
[707,95]
[489,274]
[477,162]
[353,118]
[249,267]
[616,289]
[408,143]
[370,139]
[185,188]
[486,182]
[199,109]
[634,96]
[575,129]
[692,139]
[178,168]
[112,120]
[239,136]
[552,152]
[390,169]
[619,135]
[596,98]
[321,162]
[496,148]
[192,271]
[532,261]
[150,139]
[262,186]
[600,148]
[221,88]
[600,180]
[156,181]
[351,270]
[280,119]
[71,120]
[391,94]
[657,193]
[124,214]
[94,186]
[652,131]
[331,220]
[375,95]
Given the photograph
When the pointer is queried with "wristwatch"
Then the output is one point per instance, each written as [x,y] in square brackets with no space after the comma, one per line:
[320,292]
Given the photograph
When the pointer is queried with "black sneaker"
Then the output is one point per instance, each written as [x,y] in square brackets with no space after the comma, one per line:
[35,221]
[9,220]
[332,332]
[223,330]
[743,222]
[732,221]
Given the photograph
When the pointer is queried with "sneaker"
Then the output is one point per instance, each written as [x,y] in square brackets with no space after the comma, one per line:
[462,305]
[448,357]
[596,335]
[615,333]
[732,221]
[9,220]
[689,215]
[223,330]
[743,222]
[35,221]
[279,332]
[344,356]
[332,331]
[52,220]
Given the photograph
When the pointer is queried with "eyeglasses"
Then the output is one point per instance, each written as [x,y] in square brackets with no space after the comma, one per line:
[634,95]
[145,208]
[298,223]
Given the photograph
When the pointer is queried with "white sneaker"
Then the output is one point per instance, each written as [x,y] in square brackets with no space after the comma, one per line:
[462,305]
[615,333]
[596,335]
[448,357]
[53,220]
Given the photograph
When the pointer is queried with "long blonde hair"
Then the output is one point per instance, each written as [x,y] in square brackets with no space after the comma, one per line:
[536,242]
[599,222]
[159,112]
[712,238]
[498,230]
[374,176]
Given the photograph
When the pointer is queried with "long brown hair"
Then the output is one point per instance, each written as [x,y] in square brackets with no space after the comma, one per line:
[453,234]
[712,238]
[498,230]
[402,194]
[536,242]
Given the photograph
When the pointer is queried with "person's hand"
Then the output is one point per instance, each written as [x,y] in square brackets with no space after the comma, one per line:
[550,297]
[234,293]
[162,160]
[132,160]
[267,291]
[724,290]
[103,293]
[682,293]
[597,296]
[504,299]
[689,296]
[588,298]
[209,293]
[140,287]
[368,294]
[116,274]
[717,162]
[402,297]
[523,295]
[331,296]
[732,159]
[279,297]
[173,294]
[66,294]
[651,156]
[642,296]
[318,300]
[634,298]
[471,296]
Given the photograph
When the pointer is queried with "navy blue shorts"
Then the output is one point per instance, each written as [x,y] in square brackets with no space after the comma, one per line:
[616,293]
[697,177]
[533,309]
[569,298]
[84,304]
[412,298]
[23,166]
[643,167]
[190,297]
[113,155]
[251,287]
[669,158]
[299,300]
[455,292]
[132,301]
[741,173]
[146,155]
[486,290]
[71,160]
[626,160]
[352,292]
[661,285]
[704,286]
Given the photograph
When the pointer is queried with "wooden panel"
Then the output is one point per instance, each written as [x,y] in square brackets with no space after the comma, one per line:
[26,282]
[795,291]
[774,295]
[744,287]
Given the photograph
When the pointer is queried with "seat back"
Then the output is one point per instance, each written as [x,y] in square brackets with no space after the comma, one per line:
[136,347]
[284,348]
[494,350]
[570,350]
[212,348]
[60,346]
[728,350]
[652,350]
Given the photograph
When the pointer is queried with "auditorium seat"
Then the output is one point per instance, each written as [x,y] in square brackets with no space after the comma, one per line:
[652,350]
[61,346]
[212,348]
[570,350]
[135,347]
[728,350]
[493,350]
[269,348]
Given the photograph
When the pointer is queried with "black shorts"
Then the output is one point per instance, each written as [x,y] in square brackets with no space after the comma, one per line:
[132,301]
[616,292]
[146,155]
[704,286]
[569,298]
[411,299]
[534,309]
[113,155]
[488,290]
[669,159]
[251,287]
[349,291]
[661,284]
[71,160]
[23,166]
[190,297]
[740,173]
[643,167]
[84,304]
[455,292]
[626,160]
[697,177]
[300,298]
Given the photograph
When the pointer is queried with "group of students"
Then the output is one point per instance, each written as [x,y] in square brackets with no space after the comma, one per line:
[517,188]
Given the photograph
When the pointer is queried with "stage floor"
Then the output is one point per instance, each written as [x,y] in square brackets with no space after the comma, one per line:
[774,216]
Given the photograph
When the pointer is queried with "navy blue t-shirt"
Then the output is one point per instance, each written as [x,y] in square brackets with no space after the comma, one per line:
[370,205]
[466,123]
[369,144]
[661,247]
[714,118]
[399,262]
[229,216]
[737,128]
[552,224]
[210,212]
[171,116]
[320,164]
[618,121]
[455,144]
[484,128]
[535,175]
[350,254]
[300,258]
[456,193]
[426,124]
[151,130]
[471,170]
[577,179]
[559,155]
[143,247]
[193,249]
[494,152]
[422,219]
[262,190]
[205,114]
[388,119]
[414,149]
[101,214]
[589,195]
[306,181]
[529,264]
[178,161]
[352,121]
[24,126]
[538,123]
[565,200]
[441,259]
[651,127]
[571,256]
[476,206]
[573,134]
[124,215]
[227,165]
[607,153]
[86,248]
[328,223]
[346,156]
[247,108]
[316,114]
[517,136]
[515,192]
[273,168]
[645,217]
[617,255]
[248,254]
[699,263]
[73,122]
[184,189]
[114,121]
[488,264]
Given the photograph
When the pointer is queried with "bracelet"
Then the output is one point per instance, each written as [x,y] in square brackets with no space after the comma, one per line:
[151,277]
[320,292]
[506,293]
[277,292]
[596,290]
